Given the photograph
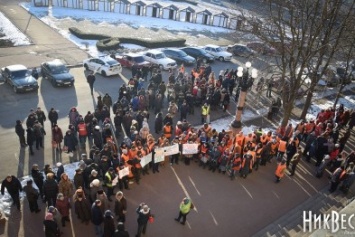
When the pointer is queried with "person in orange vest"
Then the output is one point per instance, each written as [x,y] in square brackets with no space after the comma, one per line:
[83,133]
[300,129]
[280,170]
[236,164]
[281,149]
[203,154]
[167,130]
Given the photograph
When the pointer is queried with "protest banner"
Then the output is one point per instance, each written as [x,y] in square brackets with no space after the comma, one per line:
[146,159]
[159,155]
[123,172]
[189,149]
[171,150]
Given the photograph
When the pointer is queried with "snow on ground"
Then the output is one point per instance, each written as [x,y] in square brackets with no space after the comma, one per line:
[11,32]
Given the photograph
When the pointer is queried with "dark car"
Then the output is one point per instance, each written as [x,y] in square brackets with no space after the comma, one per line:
[179,56]
[241,50]
[261,48]
[130,59]
[56,73]
[198,53]
[345,76]
[19,78]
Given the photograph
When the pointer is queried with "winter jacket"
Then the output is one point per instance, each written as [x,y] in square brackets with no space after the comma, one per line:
[50,188]
[13,187]
[38,178]
[66,187]
[83,209]
[31,193]
[30,136]
[51,228]
[20,131]
[97,216]
[109,226]
[79,180]
[63,206]
[120,206]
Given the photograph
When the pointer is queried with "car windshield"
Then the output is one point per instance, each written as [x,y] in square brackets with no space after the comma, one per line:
[139,59]
[159,56]
[111,62]
[20,74]
[58,69]
[219,49]
[181,53]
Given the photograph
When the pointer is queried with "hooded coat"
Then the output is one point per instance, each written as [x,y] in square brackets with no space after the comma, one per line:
[82,209]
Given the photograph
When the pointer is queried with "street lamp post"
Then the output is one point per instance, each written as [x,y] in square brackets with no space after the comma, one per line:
[245,83]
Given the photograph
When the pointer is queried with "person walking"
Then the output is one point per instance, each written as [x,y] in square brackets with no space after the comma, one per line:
[109,224]
[109,177]
[280,170]
[50,189]
[50,226]
[91,80]
[97,217]
[205,112]
[120,207]
[20,131]
[143,212]
[63,207]
[121,232]
[32,196]
[39,134]
[13,187]
[31,138]
[185,206]
[295,160]
[38,178]
[53,117]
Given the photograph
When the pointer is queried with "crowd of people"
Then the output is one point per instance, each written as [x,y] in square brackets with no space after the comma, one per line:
[96,180]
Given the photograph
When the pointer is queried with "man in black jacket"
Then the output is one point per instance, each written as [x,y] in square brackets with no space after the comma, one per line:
[13,187]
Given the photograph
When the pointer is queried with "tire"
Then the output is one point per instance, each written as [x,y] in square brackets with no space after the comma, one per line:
[103,73]
[15,89]
[86,67]
[221,59]
[53,83]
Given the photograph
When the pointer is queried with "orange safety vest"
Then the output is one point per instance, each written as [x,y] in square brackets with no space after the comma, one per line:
[132,153]
[273,148]
[240,140]
[282,146]
[125,157]
[203,149]
[280,170]
[309,127]
[167,131]
[82,129]
[237,149]
[258,153]
[301,128]
[263,139]
[253,154]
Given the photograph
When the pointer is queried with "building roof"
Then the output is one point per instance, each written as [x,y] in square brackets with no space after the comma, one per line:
[157,5]
[139,3]
[187,9]
[204,12]
[222,14]
[172,7]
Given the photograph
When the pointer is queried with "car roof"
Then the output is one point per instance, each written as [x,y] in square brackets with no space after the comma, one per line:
[172,49]
[132,54]
[16,67]
[55,62]
[242,45]
[154,51]
[212,46]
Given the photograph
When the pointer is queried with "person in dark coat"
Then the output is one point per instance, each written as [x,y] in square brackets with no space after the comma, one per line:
[91,80]
[60,171]
[53,117]
[246,165]
[82,207]
[13,187]
[120,207]
[50,226]
[20,131]
[79,179]
[109,224]
[39,134]
[158,124]
[70,141]
[63,207]
[32,196]
[50,190]
[290,151]
[97,217]
[38,178]
[30,139]
[121,232]
[321,148]
[143,212]
[167,119]
[97,136]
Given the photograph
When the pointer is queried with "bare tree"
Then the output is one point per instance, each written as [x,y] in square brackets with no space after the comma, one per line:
[306,35]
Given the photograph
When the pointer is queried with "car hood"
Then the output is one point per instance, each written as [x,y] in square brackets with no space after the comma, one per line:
[63,76]
[189,58]
[224,53]
[29,80]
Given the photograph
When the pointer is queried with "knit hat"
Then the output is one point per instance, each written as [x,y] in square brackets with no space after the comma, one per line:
[51,209]
[94,172]
[108,213]
[49,216]
[59,164]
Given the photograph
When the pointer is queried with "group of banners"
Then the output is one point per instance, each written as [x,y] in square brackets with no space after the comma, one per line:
[159,156]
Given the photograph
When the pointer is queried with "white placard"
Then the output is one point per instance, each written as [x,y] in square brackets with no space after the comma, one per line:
[159,155]
[189,149]
[146,159]
[171,150]
[123,172]
[115,181]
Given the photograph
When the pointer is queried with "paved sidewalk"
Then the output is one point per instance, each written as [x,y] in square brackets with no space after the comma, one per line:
[47,45]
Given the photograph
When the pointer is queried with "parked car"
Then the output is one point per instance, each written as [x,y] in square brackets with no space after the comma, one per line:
[197,52]
[130,59]
[241,50]
[218,52]
[19,78]
[57,73]
[105,65]
[179,56]
[157,57]
[261,48]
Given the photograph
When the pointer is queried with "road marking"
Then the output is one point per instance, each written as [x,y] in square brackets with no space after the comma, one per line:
[276,194]
[188,224]
[182,185]
[71,224]
[213,218]
[246,190]
[123,77]
[193,184]
[299,184]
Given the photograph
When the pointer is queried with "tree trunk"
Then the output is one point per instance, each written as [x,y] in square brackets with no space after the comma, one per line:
[288,107]
[338,95]
[308,102]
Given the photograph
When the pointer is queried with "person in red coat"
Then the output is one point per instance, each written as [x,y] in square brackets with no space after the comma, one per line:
[63,207]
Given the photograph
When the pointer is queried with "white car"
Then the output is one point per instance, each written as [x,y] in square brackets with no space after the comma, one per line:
[104,65]
[159,58]
[218,52]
